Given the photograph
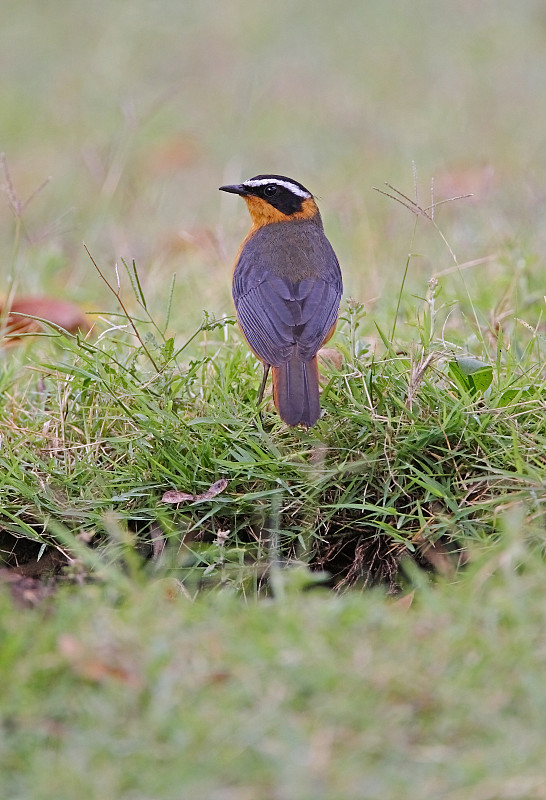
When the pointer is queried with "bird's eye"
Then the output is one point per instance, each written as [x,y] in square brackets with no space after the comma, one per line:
[271,190]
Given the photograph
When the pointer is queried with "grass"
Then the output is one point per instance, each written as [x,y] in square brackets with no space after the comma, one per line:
[223,646]
[133,691]
[412,450]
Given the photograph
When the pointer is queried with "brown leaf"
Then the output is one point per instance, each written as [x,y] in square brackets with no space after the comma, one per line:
[59,312]
[89,664]
[404,602]
[158,540]
[174,496]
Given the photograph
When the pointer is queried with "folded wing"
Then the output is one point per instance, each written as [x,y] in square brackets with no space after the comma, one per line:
[282,319]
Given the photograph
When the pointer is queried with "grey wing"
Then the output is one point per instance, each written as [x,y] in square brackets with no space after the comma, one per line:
[281,318]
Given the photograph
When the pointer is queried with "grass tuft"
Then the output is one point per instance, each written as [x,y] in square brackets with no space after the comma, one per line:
[418,450]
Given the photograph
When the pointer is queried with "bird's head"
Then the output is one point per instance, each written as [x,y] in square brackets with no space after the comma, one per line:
[275,198]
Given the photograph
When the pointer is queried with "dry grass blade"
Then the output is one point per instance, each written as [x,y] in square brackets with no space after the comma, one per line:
[174,496]
[420,211]
[119,298]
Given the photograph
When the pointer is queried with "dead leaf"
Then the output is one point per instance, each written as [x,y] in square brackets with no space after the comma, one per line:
[158,540]
[404,603]
[220,676]
[174,496]
[59,312]
[99,667]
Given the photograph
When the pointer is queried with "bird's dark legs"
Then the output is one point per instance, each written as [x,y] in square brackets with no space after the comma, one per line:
[264,381]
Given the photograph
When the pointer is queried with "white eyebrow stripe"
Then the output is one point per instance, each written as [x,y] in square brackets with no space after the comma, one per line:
[286,184]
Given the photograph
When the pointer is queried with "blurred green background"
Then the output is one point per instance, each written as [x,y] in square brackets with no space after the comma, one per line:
[139,110]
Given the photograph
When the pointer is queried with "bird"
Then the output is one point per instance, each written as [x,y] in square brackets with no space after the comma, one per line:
[287,288]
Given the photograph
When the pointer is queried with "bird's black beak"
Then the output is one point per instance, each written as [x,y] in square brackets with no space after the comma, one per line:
[236,188]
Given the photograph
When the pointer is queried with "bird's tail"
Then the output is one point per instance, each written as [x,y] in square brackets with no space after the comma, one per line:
[296,392]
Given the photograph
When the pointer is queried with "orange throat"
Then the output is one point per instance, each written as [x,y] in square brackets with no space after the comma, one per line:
[262,213]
